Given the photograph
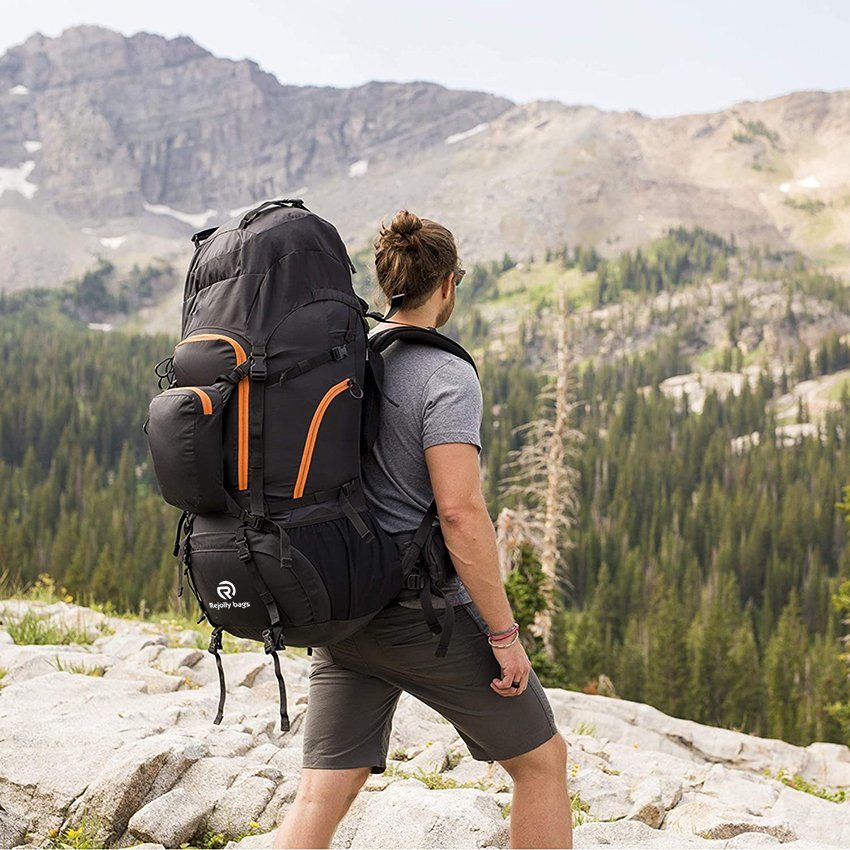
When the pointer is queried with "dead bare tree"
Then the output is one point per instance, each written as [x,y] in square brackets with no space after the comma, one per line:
[543,478]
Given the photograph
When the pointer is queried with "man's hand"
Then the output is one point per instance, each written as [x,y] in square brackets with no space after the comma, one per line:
[515,668]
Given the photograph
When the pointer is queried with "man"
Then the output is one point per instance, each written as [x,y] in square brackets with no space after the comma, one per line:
[428,446]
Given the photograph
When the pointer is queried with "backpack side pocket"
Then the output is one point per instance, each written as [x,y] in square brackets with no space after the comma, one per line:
[186,444]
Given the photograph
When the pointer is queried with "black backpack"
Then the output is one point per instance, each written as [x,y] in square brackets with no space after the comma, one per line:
[257,437]
[268,401]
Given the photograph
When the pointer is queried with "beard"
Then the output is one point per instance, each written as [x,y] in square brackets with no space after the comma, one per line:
[445,314]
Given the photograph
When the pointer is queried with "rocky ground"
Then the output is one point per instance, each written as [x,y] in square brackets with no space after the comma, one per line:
[109,742]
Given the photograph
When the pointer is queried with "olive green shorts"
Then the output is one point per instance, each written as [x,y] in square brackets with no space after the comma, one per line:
[355,685]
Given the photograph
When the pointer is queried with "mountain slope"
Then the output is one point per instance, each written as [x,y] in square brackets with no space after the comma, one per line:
[122,147]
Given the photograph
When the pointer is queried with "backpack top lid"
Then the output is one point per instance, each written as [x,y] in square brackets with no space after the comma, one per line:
[281,242]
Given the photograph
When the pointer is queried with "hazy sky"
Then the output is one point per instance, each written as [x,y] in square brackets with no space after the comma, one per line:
[662,58]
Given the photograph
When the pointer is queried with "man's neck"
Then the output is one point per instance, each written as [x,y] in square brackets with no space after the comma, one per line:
[418,318]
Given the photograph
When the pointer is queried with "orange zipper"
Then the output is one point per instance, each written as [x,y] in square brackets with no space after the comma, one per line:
[206,401]
[243,391]
[313,432]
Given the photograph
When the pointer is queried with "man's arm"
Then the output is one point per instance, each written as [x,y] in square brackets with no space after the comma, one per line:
[471,541]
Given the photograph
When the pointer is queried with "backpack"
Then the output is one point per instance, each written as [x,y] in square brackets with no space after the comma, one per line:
[257,437]
[426,563]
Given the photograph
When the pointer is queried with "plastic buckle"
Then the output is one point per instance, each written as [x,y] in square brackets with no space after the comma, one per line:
[242,549]
[256,522]
[215,641]
[339,351]
[258,366]
[414,581]
[270,641]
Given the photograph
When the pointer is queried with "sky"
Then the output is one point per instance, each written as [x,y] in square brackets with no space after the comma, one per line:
[660,57]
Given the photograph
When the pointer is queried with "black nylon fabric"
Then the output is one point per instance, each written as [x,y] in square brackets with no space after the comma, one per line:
[186,445]
[281,284]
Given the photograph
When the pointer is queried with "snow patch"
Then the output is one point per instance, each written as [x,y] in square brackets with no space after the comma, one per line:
[810,182]
[32,146]
[19,90]
[359,168]
[194,219]
[785,187]
[17,179]
[103,327]
[112,242]
[466,134]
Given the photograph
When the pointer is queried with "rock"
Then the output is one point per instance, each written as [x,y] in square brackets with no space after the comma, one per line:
[700,815]
[13,828]
[407,815]
[244,802]
[155,681]
[737,790]
[606,796]
[171,660]
[171,819]
[653,797]
[5,638]
[138,773]
[432,759]
[129,645]
[630,834]
[110,748]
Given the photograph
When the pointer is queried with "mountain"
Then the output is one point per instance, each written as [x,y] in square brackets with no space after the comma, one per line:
[108,741]
[121,147]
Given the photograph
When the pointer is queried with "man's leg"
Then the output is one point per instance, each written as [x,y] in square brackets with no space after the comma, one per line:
[540,809]
[323,798]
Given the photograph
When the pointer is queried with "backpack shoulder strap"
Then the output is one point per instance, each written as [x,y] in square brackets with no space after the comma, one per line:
[382,340]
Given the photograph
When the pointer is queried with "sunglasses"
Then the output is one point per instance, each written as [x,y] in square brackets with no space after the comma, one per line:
[459,273]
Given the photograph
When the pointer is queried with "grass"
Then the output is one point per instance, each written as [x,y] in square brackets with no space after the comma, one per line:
[3,673]
[78,668]
[210,840]
[83,836]
[433,779]
[38,629]
[798,783]
[584,727]
[580,810]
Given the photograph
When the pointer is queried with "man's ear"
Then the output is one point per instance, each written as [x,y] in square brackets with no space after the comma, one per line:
[447,285]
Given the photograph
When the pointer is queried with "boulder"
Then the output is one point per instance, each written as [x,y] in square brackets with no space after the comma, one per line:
[136,774]
[406,814]
[433,759]
[170,820]
[701,815]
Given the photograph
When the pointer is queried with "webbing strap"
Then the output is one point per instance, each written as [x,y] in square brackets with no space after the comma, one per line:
[215,649]
[281,686]
[353,517]
[309,363]
[430,615]
[266,596]
[258,375]
[414,550]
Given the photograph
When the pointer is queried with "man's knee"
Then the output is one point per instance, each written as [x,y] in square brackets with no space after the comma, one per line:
[331,788]
[547,760]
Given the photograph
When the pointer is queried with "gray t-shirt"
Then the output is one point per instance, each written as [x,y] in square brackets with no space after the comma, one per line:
[439,401]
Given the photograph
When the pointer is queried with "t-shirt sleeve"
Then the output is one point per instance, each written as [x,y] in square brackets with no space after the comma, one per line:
[452,406]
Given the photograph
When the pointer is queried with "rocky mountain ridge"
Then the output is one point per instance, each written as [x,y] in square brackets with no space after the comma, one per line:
[121,146]
[107,741]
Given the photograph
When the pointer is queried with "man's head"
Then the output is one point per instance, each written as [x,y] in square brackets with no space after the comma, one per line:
[419,258]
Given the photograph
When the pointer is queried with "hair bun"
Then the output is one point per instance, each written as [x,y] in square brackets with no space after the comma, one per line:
[406,223]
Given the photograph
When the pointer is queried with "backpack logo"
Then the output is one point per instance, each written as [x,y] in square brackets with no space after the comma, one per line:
[226,589]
